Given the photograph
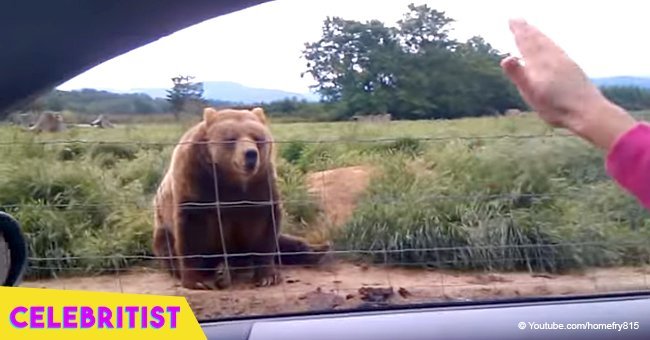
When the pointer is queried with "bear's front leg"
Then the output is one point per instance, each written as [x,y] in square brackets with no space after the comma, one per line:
[163,246]
[197,245]
[266,272]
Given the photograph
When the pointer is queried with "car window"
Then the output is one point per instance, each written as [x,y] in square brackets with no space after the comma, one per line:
[390,157]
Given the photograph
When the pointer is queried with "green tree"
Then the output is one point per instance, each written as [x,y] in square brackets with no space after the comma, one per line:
[185,94]
[423,28]
[413,70]
[353,63]
[628,97]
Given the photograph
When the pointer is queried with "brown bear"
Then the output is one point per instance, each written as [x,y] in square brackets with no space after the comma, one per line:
[236,148]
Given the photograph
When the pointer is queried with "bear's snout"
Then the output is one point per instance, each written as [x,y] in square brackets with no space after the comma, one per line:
[250,159]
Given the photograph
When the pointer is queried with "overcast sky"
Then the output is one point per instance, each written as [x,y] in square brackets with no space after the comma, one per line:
[261,46]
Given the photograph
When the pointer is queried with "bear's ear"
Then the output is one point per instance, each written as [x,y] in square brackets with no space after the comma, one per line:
[259,112]
[209,115]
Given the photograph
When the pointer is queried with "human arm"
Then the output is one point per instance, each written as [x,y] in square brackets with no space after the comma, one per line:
[560,92]
[628,162]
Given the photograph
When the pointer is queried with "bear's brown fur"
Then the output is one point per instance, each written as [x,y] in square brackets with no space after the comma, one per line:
[237,147]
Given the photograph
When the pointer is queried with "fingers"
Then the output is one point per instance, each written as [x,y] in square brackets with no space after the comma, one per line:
[533,45]
[516,72]
[527,39]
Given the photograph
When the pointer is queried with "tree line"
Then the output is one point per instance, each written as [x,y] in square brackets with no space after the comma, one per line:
[413,70]
[94,102]
[629,97]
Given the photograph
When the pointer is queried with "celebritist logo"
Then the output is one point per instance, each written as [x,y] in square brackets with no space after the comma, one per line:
[33,313]
[69,317]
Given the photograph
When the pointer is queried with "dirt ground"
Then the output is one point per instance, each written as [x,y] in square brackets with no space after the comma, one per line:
[342,285]
[345,285]
[338,191]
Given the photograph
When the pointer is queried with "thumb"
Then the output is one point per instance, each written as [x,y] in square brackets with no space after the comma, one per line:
[516,73]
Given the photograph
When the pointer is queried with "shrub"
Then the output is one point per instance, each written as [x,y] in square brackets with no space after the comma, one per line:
[68,211]
[499,207]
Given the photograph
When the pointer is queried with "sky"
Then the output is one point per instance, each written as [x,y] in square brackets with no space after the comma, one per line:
[261,46]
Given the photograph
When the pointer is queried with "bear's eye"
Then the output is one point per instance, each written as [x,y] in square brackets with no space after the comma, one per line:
[261,141]
[229,141]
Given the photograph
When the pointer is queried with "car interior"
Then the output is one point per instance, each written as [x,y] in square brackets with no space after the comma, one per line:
[33,60]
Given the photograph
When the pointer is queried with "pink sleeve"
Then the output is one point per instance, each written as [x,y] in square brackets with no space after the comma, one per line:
[628,162]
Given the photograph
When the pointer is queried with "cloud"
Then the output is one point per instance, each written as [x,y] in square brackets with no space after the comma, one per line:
[261,46]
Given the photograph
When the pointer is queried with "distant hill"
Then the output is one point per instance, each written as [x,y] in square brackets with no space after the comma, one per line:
[234,92]
[237,93]
[643,82]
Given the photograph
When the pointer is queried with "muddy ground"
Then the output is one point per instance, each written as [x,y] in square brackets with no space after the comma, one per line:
[342,285]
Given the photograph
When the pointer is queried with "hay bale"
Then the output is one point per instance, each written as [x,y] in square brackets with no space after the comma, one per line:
[513,112]
[102,123]
[49,122]
[373,118]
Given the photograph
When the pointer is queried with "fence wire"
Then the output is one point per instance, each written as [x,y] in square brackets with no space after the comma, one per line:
[302,141]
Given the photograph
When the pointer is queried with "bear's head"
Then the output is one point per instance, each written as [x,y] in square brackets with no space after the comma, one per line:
[239,142]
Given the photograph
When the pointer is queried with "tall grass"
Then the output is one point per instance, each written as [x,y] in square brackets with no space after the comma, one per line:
[538,204]
[462,203]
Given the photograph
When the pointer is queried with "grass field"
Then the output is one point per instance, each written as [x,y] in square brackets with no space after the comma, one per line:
[463,194]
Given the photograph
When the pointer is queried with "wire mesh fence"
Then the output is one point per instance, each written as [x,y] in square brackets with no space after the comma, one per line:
[451,217]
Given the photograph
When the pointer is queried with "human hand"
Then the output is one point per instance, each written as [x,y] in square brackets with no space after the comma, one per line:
[552,83]
[557,88]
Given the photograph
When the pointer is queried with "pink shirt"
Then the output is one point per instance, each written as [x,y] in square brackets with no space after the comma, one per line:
[628,162]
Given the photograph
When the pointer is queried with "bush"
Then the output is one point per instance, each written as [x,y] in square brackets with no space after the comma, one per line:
[72,212]
[499,207]
[300,208]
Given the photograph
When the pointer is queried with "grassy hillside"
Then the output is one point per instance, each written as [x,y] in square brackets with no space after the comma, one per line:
[444,197]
